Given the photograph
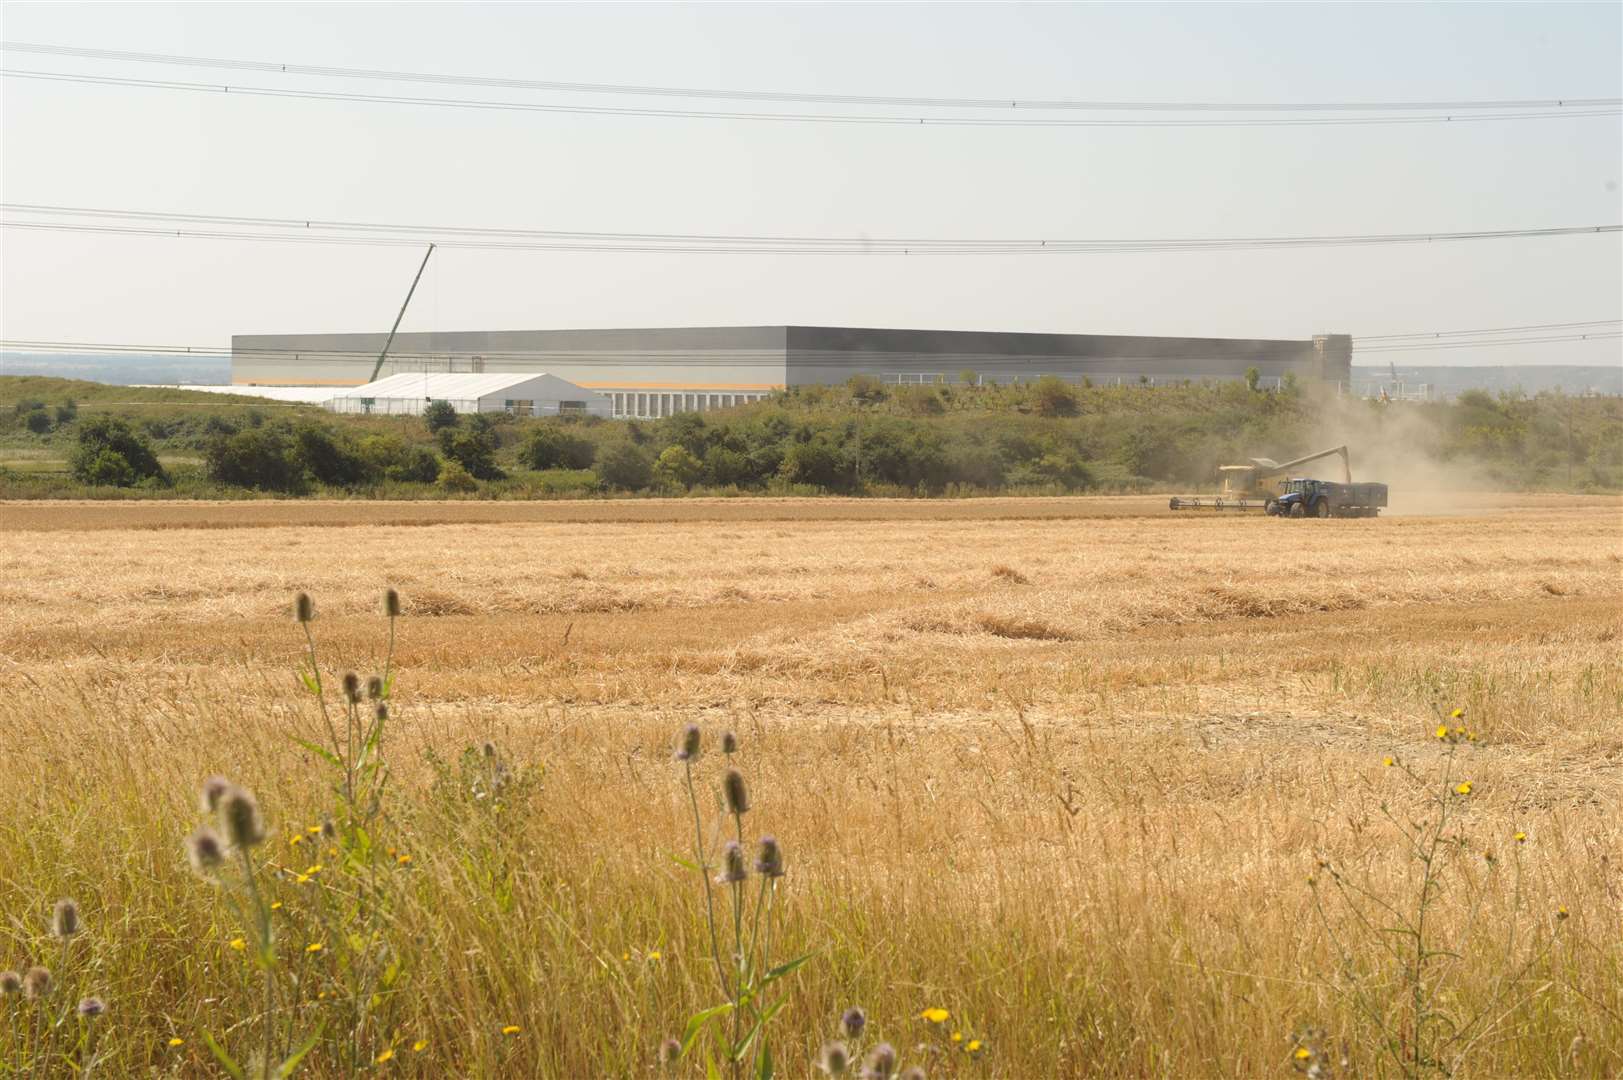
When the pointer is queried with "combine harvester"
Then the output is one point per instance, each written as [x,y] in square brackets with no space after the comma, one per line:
[1266,485]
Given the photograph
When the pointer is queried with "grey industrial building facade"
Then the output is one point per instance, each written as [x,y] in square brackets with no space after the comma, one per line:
[658,372]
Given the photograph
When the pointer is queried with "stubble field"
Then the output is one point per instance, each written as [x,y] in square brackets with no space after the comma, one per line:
[1109,789]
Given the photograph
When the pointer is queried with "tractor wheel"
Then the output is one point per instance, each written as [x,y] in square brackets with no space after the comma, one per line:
[1271,508]
[1297,511]
[1322,508]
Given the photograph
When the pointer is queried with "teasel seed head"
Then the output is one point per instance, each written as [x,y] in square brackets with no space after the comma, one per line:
[382,711]
[374,687]
[732,864]
[239,815]
[769,861]
[65,919]
[391,603]
[488,749]
[670,1051]
[738,796]
[304,608]
[329,831]
[37,982]
[688,746]
[729,743]
[92,1007]
[205,851]
[853,1022]
[835,1058]
[10,983]
[352,687]
[881,1063]
[213,789]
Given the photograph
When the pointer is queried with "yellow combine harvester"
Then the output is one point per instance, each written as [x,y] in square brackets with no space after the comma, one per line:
[1256,487]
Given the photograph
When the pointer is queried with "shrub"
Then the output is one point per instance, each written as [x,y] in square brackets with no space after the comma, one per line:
[38,421]
[107,435]
[439,415]
[624,466]
[724,467]
[865,388]
[921,400]
[327,457]
[1053,397]
[815,463]
[67,412]
[551,446]
[474,448]
[418,464]
[453,477]
[259,458]
[28,405]
[677,467]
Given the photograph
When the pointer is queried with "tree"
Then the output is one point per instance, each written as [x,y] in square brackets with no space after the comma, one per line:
[816,463]
[1252,378]
[439,415]
[109,451]
[677,467]
[625,466]
[38,421]
[329,459]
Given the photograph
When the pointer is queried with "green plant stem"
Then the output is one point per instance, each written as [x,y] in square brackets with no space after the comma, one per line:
[267,959]
[704,875]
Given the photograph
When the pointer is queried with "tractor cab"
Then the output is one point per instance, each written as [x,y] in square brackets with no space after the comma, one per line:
[1296,496]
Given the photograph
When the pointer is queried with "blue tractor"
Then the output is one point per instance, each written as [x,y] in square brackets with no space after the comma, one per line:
[1325,498]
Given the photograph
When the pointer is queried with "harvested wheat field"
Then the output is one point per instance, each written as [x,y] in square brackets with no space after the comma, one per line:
[1119,795]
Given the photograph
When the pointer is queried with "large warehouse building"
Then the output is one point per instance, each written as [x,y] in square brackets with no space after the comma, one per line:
[659,372]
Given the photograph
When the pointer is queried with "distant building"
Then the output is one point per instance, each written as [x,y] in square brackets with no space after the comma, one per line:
[517,394]
[658,372]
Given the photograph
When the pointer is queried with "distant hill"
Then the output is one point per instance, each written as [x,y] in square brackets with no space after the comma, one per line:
[121,369]
[1528,378]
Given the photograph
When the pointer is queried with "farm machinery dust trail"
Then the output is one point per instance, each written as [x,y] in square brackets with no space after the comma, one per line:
[1265,485]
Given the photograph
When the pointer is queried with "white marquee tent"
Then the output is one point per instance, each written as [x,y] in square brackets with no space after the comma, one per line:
[526,394]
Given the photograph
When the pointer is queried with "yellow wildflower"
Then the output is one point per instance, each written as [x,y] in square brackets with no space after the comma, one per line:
[312,829]
[419,1046]
[302,879]
[1456,714]
[385,1056]
[314,870]
[935,1016]
[238,944]
[511,1029]
[958,1036]
[313,947]
[1442,732]
[1521,838]
[296,839]
[1303,1053]
[177,1041]
[1561,912]
[276,905]
[404,860]
[973,1046]
[1463,787]
[655,954]
[1389,761]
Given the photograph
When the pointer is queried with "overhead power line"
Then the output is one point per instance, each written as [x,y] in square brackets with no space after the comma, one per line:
[1496,343]
[786,97]
[1491,330]
[1463,116]
[518,239]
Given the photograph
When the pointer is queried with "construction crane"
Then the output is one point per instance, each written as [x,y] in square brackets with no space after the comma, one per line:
[1258,485]
[384,355]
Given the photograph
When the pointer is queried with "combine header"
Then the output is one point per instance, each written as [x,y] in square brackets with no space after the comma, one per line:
[1257,487]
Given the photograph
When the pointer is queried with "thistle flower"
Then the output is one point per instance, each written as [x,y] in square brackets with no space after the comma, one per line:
[10,983]
[239,814]
[304,608]
[834,1059]
[374,687]
[881,1063]
[853,1022]
[37,982]
[352,686]
[687,747]
[732,864]
[92,1007]
[65,919]
[205,851]
[669,1052]
[213,789]
[391,603]
[729,743]
[738,796]
[769,863]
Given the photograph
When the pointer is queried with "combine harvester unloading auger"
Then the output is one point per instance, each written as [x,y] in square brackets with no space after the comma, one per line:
[1266,486]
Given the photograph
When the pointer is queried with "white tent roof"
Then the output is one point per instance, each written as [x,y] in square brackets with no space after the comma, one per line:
[443,386]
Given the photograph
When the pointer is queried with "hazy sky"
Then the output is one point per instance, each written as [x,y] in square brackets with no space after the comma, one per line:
[143,149]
